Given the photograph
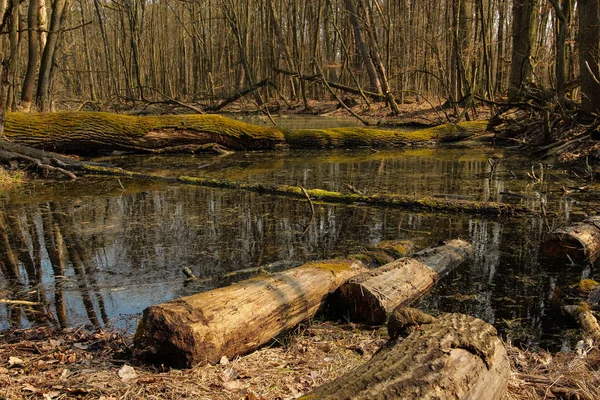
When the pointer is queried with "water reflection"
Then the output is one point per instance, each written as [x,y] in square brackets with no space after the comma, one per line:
[100,250]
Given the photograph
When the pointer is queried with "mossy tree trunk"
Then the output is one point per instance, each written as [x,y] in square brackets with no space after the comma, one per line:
[83,132]
[453,357]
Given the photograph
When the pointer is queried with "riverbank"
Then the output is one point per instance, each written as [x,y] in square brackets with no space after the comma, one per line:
[76,363]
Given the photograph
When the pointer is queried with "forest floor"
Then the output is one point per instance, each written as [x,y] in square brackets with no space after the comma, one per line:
[80,364]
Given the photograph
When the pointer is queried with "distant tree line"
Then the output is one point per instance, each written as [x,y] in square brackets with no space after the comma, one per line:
[206,50]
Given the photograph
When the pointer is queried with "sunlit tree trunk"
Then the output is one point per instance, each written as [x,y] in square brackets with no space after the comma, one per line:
[33,55]
[362,47]
[43,88]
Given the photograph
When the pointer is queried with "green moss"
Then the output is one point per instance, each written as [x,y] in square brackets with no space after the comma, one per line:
[358,137]
[586,286]
[582,307]
[63,127]
[396,248]
[364,258]
[333,266]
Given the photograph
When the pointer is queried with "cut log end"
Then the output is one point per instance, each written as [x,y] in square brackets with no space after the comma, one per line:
[579,243]
[165,336]
[371,296]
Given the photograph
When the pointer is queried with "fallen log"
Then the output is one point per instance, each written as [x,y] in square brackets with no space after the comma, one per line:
[237,319]
[586,319]
[369,297]
[388,200]
[453,357]
[83,132]
[579,243]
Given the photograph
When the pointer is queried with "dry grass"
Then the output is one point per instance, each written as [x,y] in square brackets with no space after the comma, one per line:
[541,375]
[80,364]
[9,178]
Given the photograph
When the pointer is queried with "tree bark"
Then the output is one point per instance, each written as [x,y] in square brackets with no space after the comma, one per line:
[237,319]
[587,321]
[43,87]
[362,47]
[371,296]
[579,243]
[83,132]
[523,36]
[454,357]
[589,54]
[33,55]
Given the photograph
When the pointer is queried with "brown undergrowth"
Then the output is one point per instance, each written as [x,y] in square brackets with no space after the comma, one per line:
[44,363]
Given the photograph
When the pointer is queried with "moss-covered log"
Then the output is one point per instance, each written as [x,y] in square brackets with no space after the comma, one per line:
[81,132]
[579,243]
[453,357]
[388,200]
[369,297]
[237,319]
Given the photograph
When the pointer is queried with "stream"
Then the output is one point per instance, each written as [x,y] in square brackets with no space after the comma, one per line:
[99,250]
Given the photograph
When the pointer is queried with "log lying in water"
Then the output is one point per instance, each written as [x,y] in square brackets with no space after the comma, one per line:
[586,319]
[388,200]
[454,357]
[579,243]
[82,132]
[237,319]
[371,296]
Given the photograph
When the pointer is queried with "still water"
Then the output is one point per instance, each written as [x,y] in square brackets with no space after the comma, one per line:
[99,250]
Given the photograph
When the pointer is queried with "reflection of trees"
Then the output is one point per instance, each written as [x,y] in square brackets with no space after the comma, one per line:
[27,234]
[146,234]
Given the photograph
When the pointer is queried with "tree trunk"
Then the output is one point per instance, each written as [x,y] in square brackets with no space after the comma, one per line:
[362,47]
[82,132]
[454,357]
[33,55]
[589,54]
[237,319]
[43,88]
[579,243]
[523,36]
[561,38]
[371,296]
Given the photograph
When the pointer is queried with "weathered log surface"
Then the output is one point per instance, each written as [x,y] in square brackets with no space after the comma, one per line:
[454,357]
[371,296]
[579,243]
[237,319]
[586,319]
[81,132]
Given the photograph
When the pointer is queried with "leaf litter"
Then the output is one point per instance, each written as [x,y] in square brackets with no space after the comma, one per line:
[46,363]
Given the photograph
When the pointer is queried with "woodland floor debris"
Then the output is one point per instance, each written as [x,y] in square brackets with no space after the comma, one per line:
[80,364]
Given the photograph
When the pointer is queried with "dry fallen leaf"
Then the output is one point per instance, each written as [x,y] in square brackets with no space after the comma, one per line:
[15,362]
[127,373]
[30,388]
[229,374]
[233,385]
